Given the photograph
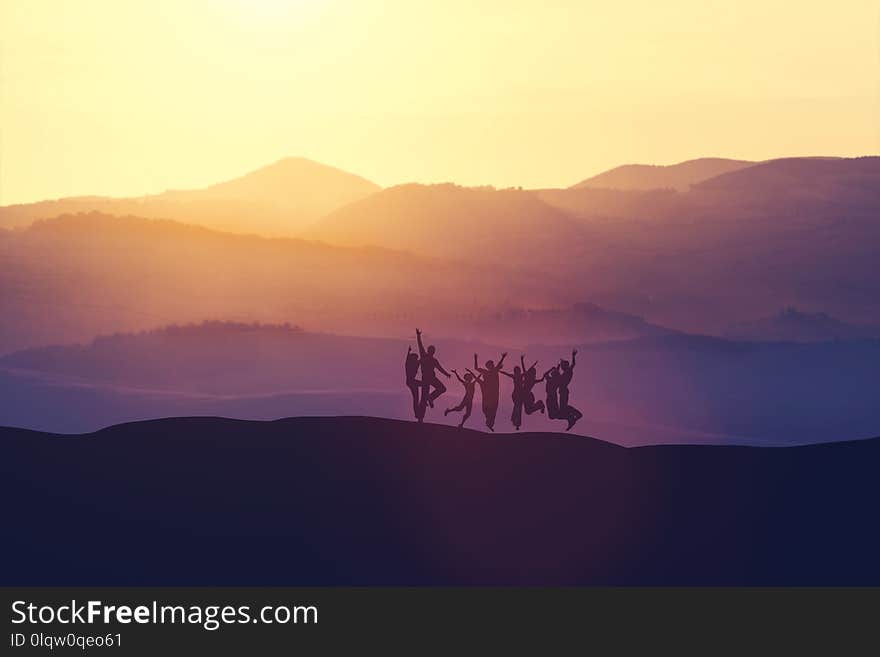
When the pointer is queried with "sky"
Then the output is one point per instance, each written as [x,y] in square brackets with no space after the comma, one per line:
[129,97]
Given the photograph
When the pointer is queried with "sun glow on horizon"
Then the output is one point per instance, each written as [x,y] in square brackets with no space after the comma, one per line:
[138,96]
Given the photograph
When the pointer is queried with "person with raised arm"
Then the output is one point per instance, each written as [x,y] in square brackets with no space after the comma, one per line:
[566,410]
[467,403]
[489,388]
[551,388]
[530,380]
[518,395]
[411,368]
[430,365]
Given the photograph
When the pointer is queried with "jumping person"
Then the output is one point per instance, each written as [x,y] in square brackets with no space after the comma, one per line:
[530,380]
[467,403]
[429,363]
[415,385]
[551,387]
[489,388]
[566,371]
[566,410]
[518,395]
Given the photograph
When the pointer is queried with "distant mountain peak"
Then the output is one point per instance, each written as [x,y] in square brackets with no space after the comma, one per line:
[795,325]
[298,164]
[279,199]
[785,175]
[287,180]
[654,176]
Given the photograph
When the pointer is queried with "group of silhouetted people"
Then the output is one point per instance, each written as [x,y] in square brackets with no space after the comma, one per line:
[427,389]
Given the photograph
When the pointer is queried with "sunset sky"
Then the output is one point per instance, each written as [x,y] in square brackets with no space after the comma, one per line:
[125,97]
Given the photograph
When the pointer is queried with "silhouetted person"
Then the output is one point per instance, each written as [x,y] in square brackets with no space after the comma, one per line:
[415,385]
[489,388]
[551,388]
[467,403]
[429,364]
[517,395]
[530,380]
[566,410]
[566,371]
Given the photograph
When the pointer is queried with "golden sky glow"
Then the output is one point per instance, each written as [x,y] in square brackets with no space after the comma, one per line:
[125,97]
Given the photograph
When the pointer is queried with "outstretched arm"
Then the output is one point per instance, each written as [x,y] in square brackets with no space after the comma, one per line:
[419,340]
[457,376]
[506,373]
[440,367]
[522,361]
[534,365]
[477,377]
[501,362]
[476,364]
[574,353]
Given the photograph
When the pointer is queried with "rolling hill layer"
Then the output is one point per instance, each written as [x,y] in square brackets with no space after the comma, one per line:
[277,200]
[679,176]
[358,501]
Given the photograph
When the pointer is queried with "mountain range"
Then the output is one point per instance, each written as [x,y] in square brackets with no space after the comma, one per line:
[280,199]
[640,279]
[794,232]
[512,227]
[795,325]
[679,176]
[73,277]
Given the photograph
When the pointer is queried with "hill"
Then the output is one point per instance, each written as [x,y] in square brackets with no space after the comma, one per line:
[358,501]
[576,324]
[793,325]
[675,176]
[306,189]
[233,358]
[589,203]
[101,274]
[279,199]
[510,226]
[669,388]
[844,180]
[236,357]
[743,244]
[795,233]
[696,261]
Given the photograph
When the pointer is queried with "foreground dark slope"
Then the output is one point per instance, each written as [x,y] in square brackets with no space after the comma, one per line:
[369,501]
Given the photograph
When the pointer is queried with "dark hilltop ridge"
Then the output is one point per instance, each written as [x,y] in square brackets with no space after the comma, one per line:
[357,501]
